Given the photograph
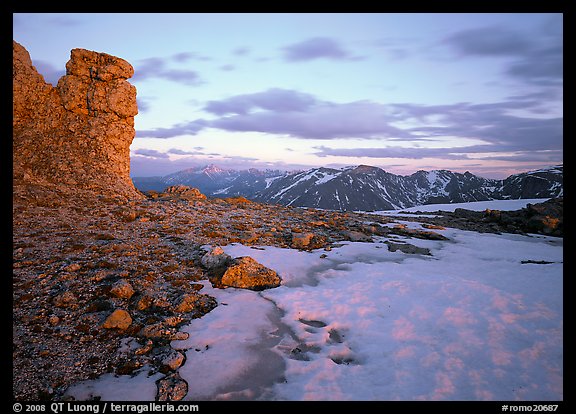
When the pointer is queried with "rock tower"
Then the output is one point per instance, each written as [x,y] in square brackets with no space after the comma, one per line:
[77,134]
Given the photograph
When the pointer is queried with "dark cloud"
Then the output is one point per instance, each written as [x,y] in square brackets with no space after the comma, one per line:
[542,66]
[143,104]
[241,51]
[489,41]
[452,153]
[182,152]
[188,128]
[536,58]
[156,68]
[322,120]
[186,56]
[316,48]
[275,99]
[490,123]
[151,153]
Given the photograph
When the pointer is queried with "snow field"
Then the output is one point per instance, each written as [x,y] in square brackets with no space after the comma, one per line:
[469,322]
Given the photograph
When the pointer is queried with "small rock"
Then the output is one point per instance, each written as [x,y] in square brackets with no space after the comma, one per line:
[144,302]
[66,300]
[356,236]
[172,388]
[120,319]
[407,248]
[74,267]
[187,303]
[301,240]
[147,347]
[122,289]
[173,360]
[215,259]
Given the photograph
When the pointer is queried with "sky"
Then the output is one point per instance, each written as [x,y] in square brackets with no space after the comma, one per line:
[401,91]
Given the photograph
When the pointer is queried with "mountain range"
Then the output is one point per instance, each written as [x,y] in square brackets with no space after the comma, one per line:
[360,187]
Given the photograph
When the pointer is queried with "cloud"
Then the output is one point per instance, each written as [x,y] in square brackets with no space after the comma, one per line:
[143,104]
[228,67]
[186,56]
[490,123]
[540,67]
[321,120]
[316,48]
[177,151]
[489,41]
[188,128]
[275,99]
[156,68]
[395,152]
[151,153]
[241,51]
[495,129]
[536,58]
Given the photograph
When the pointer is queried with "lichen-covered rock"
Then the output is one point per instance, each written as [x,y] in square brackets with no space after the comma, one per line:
[247,273]
[301,240]
[77,134]
[172,388]
[119,319]
[122,289]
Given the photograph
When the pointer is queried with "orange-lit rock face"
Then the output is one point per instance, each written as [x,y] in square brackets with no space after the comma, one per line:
[79,132]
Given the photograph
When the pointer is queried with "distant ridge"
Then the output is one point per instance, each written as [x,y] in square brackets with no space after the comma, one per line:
[360,187]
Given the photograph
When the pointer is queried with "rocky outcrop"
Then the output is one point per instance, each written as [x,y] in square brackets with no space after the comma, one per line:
[541,218]
[183,192]
[77,134]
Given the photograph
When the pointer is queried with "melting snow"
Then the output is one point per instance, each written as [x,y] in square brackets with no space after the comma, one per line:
[470,322]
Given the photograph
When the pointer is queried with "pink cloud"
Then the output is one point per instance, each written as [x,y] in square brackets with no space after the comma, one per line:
[459,316]
[405,352]
[403,330]
[444,386]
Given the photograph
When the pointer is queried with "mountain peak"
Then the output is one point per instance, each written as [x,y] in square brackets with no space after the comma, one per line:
[365,169]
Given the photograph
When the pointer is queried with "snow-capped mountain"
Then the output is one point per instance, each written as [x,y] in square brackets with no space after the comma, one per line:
[546,182]
[363,187]
[213,180]
[371,188]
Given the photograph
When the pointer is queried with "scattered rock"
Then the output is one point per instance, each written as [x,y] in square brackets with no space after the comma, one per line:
[247,273]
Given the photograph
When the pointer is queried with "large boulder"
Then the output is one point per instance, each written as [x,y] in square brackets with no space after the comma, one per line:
[247,273]
[77,134]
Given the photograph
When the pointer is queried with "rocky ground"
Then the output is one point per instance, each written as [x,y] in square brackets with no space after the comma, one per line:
[103,283]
